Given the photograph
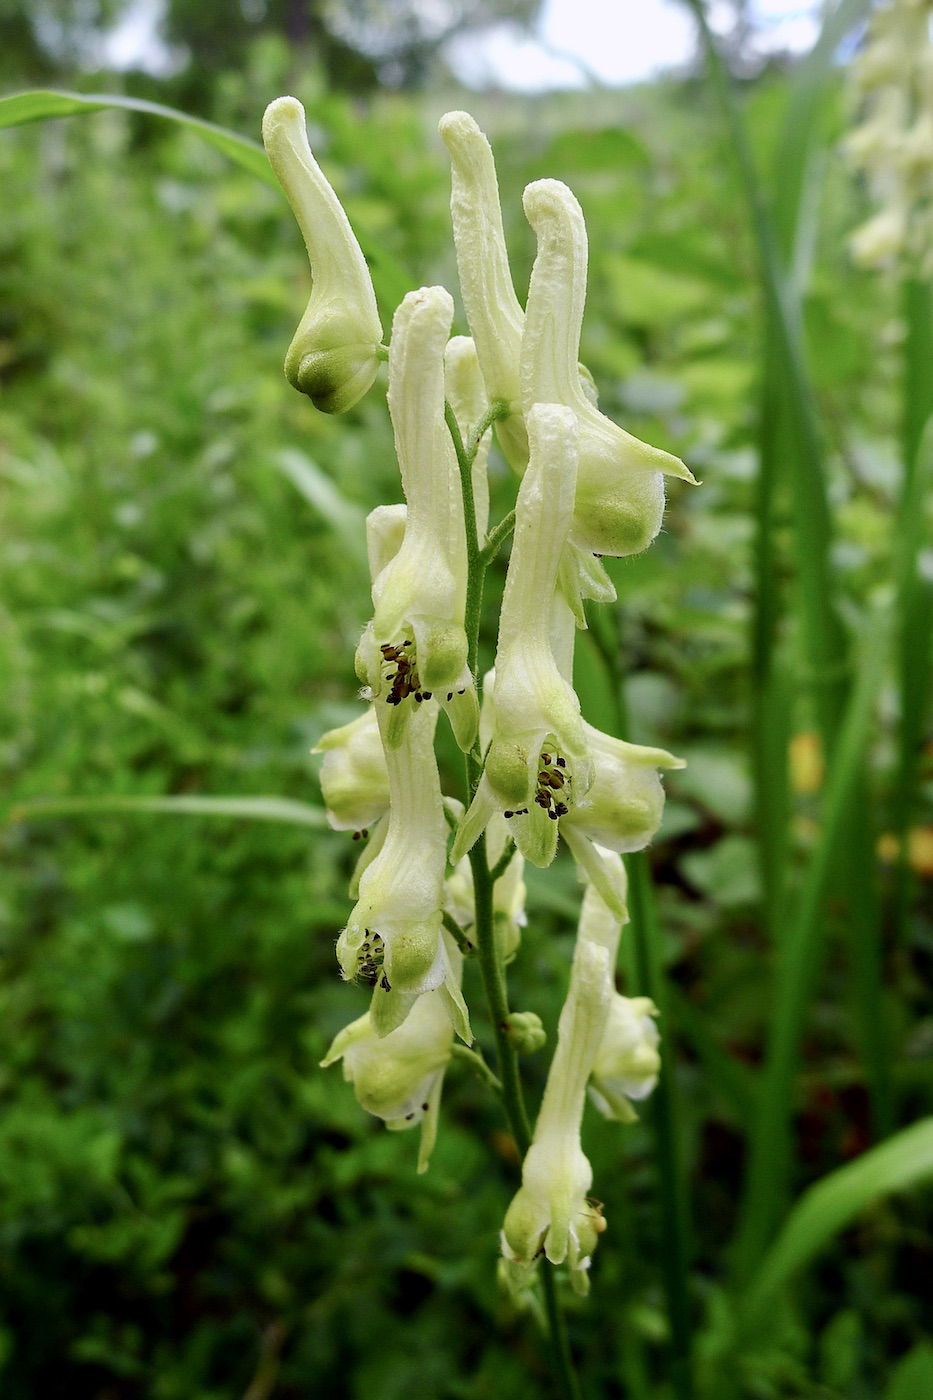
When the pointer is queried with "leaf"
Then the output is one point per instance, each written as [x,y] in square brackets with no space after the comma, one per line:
[40,104]
[912,1377]
[903,1161]
[346,518]
[274,809]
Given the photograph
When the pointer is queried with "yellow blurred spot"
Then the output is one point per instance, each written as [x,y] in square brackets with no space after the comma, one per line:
[919,849]
[807,768]
[505,1146]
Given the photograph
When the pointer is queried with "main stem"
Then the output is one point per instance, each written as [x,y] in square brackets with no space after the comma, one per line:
[487,951]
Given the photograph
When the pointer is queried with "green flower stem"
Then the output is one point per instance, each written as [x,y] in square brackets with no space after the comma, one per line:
[663,1108]
[478,1066]
[495,537]
[502,863]
[490,963]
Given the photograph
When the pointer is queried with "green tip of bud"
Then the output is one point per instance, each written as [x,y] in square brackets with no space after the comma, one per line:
[334,380]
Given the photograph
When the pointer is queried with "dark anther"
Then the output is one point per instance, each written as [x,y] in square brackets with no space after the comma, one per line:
[507,815]
[357,835]
[424,1108]
[462,692]
[409,1117]
[553,816]
[426,695]
[365,832]
[560,762]
[545,759]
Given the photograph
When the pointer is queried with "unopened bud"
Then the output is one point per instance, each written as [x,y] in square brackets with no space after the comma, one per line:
[335,353]
[525,1032]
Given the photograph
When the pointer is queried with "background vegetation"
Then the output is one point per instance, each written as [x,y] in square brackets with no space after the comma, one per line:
[189,1207]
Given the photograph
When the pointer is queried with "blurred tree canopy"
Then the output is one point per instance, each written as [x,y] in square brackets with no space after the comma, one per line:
[360,44]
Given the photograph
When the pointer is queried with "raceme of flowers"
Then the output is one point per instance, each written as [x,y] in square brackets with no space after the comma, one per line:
[892,146]
[587,489]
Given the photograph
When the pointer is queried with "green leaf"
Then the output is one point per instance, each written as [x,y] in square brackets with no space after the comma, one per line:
[272,809]
[912,1377]
[822,1211]
[40,104]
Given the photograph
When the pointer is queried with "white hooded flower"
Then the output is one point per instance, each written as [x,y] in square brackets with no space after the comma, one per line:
[552,1211]
[392,940]
[620,480]
[892,79]
[628,1062]
[335,353]
[466,395]
[538,755]
[354,778]
[416,646]
[399,1077]
[494,315]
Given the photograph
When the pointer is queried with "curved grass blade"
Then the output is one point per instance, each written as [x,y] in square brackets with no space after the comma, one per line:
[40,104]
[270,809]
[345,517]
[903,1161]
[798,966]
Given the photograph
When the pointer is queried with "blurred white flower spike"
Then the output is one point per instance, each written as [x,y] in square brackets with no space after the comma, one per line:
[892,146]
[335,353]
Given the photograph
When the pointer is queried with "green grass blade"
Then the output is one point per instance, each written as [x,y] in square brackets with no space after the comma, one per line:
[915,594]
[347,519]
[270,809]
[735,1080]
[42,104]
[801,126]
[798,966]
[645,933]
[823,638]
[903,1161]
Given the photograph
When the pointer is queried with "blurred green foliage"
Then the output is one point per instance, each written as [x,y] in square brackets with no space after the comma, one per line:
[189,1208]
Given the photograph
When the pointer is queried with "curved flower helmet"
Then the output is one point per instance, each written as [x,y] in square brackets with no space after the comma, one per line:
[392,940]
[335,352]
[354,778]
[538,741]
[620,482]
[416,645]
[398,1077]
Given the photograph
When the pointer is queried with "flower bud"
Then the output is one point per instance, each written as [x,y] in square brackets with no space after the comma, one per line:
[525,1032]
[620,491]
[335,353]
[354,779]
